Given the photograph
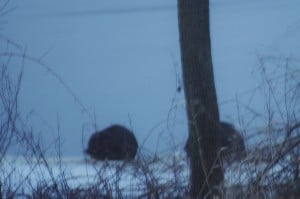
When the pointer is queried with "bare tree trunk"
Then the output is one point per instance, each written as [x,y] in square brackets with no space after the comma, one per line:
[201,100]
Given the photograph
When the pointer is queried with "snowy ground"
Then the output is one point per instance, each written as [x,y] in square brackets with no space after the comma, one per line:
[26,173]
[130,177]
[165,172]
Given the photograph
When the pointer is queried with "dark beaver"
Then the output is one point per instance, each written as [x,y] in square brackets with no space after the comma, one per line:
[113,143]
[231,142]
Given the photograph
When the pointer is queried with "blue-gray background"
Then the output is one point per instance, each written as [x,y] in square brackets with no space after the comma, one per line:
[122,61]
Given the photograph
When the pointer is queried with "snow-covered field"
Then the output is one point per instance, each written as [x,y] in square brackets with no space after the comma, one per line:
[131,177]
[25,174]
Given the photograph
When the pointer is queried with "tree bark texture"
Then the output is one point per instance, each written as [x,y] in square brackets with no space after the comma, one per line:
[200,94]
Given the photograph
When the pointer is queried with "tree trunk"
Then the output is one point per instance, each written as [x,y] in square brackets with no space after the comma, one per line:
[201,100]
